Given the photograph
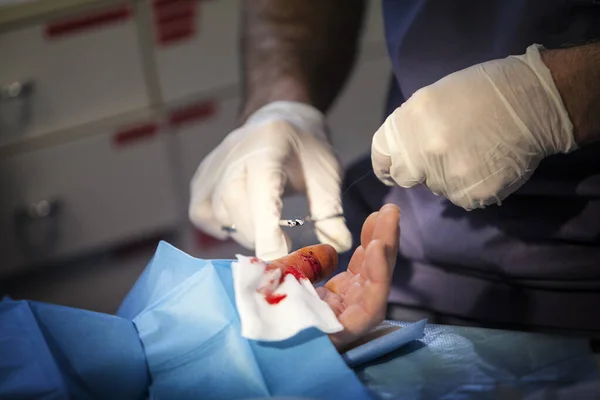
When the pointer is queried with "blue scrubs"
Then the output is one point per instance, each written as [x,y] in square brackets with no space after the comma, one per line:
[536,259]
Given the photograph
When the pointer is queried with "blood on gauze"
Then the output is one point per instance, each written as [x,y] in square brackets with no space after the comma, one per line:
[269,284]
[291,270]
[272,309]
[273,298]
[254,260]
[268,292]
[268,288]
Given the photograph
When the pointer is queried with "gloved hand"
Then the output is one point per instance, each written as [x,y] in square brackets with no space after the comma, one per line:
[241,182]
[478,134]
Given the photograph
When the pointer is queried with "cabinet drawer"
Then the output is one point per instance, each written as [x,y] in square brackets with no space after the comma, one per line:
[196,45]
[199,125]
[81,68]
[93,192]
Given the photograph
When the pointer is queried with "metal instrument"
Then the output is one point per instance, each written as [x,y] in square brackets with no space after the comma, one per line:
[291,222]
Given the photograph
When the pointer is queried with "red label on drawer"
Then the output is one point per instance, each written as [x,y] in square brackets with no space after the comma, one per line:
[175,20]
[174,10]
[192,113]
[89,21]
[134,134]
[176,31]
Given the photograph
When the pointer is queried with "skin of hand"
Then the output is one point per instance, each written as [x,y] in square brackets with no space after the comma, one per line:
[359,295]
[576,73]
[297,50]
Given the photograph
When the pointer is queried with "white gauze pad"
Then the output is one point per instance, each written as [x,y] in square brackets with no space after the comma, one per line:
[275,306]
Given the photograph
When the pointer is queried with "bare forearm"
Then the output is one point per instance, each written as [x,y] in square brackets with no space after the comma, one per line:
[576,72]
[297,50]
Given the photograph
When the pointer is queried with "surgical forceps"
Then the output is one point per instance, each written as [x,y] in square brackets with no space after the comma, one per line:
[291,222]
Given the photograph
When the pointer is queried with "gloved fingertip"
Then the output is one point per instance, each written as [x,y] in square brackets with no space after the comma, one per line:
[273,246]
[386,180]
[334,233]
[382,164]
[379,144]
[408,184]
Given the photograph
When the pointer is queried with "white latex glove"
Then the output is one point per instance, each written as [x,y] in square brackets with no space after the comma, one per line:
[478,134]
[241,182]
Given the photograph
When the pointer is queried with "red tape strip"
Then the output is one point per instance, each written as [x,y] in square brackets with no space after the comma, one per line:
[134,134]
[86,22]
[175,20]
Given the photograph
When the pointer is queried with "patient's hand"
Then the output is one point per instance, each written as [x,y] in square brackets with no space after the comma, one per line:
[359,295]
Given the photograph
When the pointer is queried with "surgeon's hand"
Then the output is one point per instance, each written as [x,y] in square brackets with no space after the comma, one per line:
[476,135]
[242,181]
[359,295]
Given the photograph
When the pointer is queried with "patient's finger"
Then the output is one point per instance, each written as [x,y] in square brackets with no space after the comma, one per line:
[365,237]
[369,309]
[315,262]
[376,287]
[338,283]
[367,229]
[356,260]
[333,300]
[387,230]
[370,225]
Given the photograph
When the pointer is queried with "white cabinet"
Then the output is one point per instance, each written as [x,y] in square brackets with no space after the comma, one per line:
[199,125]
[112,185]
[83,67]
[196,45]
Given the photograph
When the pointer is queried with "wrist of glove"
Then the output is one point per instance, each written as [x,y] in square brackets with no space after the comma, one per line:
[241,182]
[478,134]
[302,117]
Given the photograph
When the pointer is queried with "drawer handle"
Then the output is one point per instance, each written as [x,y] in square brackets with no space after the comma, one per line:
[38,227]
[15,108]
[16,90]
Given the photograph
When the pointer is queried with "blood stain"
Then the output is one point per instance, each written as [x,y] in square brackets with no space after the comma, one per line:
[273,298]
[314,264]
[291,270]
